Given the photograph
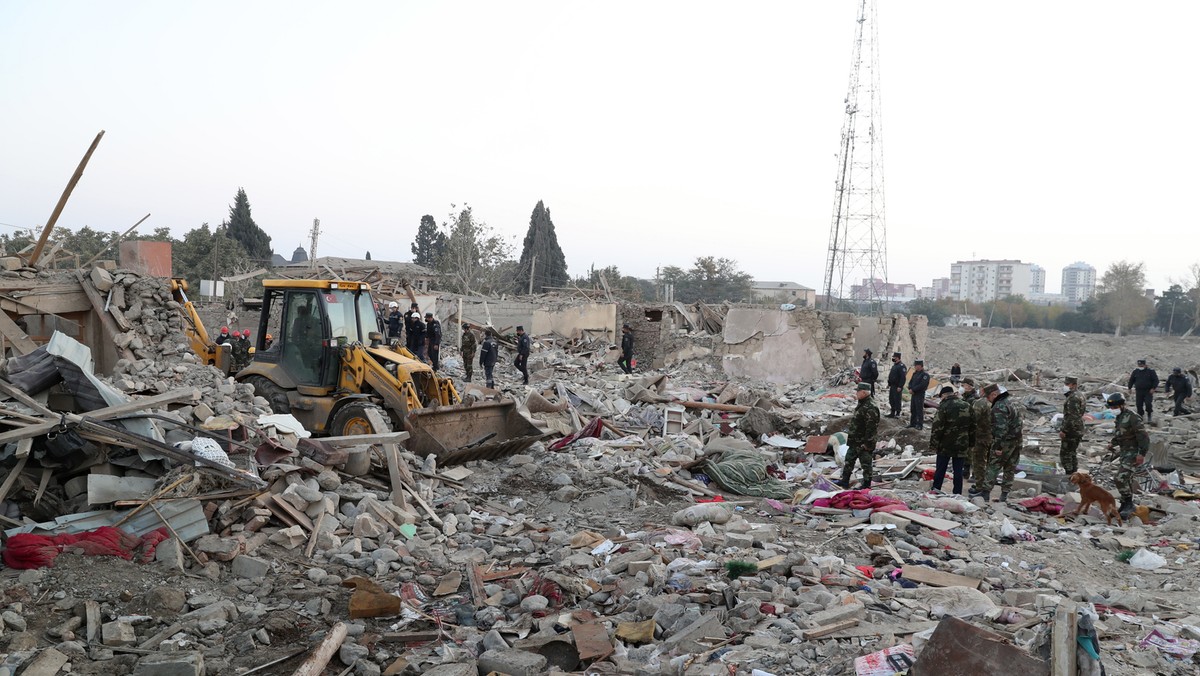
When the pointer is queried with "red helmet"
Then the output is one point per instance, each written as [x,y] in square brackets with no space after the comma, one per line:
[246,333]
[224,329]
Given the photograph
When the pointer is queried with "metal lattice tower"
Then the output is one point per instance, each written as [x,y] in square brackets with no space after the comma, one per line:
[857,236]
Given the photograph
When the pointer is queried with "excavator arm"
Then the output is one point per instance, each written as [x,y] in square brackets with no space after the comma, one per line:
[203,346]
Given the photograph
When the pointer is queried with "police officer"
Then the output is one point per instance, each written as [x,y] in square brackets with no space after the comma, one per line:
[917,384]
[488,352]
[411,318]
[869,371]
[896,385]
[1072,426]
[1131,443]
[626,360]
[951,437]
[1005,441]
[416,334]
[522,360]
[394,321]
[864,423]
[1144,382]
[468,350]
[433,340]
[1180,388]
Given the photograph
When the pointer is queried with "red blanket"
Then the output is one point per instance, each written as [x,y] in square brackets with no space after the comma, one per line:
[38,551]
[860,499]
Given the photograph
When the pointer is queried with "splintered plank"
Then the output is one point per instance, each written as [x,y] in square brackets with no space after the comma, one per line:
[937,578]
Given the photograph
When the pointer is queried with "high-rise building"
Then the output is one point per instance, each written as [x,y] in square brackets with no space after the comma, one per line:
[1078,282]
[1037,279]
[985,280]
[941,288]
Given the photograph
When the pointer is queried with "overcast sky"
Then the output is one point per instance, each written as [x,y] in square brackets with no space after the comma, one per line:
[655,132]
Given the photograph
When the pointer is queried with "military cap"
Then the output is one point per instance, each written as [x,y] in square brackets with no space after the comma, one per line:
[969,381]
[1071,380]
[868,351]
[918,361]
[1176,370]
[1141,362]
[895,355]
[991,388]
[946,389]
[864,386]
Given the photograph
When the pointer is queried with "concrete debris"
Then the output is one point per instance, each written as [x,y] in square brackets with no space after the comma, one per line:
[611,546]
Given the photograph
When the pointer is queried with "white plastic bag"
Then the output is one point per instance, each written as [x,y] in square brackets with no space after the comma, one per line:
[712,512]
[1144,559]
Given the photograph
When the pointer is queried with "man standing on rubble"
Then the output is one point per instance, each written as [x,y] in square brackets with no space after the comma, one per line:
[860,439]
[394,319]
[1179,388]
[626,360]
[488,352]
[869,371]
[1144,382]
[416,334]
[1006,443]
[977,458]
[951,437]
[433,339]
[468,350]
[1131,442]
[917,384]
[411,318]
[1072,426]
[896,385]
[522,360]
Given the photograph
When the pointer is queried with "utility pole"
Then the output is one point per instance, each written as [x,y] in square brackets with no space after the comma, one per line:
[857,235]
[532,268]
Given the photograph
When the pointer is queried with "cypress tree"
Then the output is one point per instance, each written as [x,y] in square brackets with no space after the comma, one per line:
[541,254]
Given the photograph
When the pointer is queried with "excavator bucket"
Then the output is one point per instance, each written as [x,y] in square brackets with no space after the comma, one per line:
[464,432]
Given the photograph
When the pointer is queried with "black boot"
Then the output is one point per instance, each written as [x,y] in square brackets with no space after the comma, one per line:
[1126,508]
[844,483]
[866,483]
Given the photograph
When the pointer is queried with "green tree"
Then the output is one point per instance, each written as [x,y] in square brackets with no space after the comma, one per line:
[1120,299]
[208,254]
[1174,310]
[541,257]
[430,243]
[476,259]
[713,280]
[241,228]
[935,313]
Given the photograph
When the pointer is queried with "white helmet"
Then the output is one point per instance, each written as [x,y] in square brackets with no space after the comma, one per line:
[393,304]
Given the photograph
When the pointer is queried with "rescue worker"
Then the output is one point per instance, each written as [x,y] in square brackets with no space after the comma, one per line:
[1144,383]
[416,334]
[411,317]
[626,360]
[917,384]
[240,350]
[896,385]
[1130,442]
[469,343]
[488,352]
[1072,426]
[394,321]
[981,419]
[522,360]
[860,440]
[433,340]
[951,437]
[869,371]
[224,337]
[1179,388]
[1006,442]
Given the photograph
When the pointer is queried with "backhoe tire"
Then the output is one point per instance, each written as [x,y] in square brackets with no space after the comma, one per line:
[352,419]
[276,395]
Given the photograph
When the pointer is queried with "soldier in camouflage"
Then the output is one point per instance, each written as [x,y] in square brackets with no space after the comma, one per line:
[951,437]
[1072,426]
[981,419]
[1131,442]
[861,438]
[1006,442]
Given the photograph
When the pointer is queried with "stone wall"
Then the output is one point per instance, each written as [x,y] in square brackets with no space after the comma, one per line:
[783,347]
[906,334]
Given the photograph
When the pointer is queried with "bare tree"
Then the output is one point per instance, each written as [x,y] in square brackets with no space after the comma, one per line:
[1121,299]
[476,260]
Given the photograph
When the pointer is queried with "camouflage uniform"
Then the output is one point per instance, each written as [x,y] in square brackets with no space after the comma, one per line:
[1006,444]
[951,438]
[468,353]
[981,417]
[861,440]
[1131,438]
[1072,429]
[240,355]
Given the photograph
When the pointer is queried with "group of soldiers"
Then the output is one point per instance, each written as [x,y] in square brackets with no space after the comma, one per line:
[986,430]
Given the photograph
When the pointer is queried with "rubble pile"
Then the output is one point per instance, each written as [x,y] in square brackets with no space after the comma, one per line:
[670,522]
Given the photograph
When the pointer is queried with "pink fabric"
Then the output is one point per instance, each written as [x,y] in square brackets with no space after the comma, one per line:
[859,500]
[1044,504]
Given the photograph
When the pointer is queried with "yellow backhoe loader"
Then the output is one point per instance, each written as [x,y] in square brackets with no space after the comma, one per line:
[329,367]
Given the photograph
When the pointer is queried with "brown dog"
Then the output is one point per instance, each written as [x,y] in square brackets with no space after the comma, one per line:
[1089,493]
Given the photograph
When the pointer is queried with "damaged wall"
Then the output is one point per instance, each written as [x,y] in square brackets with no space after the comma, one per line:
[572,322]
[906,334]
[786,346]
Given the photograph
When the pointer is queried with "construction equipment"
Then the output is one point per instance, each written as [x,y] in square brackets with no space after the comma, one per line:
[205,348]
[329,367]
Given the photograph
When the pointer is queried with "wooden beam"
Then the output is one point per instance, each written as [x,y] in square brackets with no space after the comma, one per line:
[937,578]
[392,453]
[114,242]
[315,664]
[106,320]
[62,201]
[13,333]
[135,406]
[1062,640]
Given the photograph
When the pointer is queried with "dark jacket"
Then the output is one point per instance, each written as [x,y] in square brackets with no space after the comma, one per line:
[433,331]
[1181,385]
[1143,379]
[488,351]
[869,371]
[523,344]
[222,339]
[393,322]
[416,330]
[627,342]
[919,382]
[896,375]
[411,318]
